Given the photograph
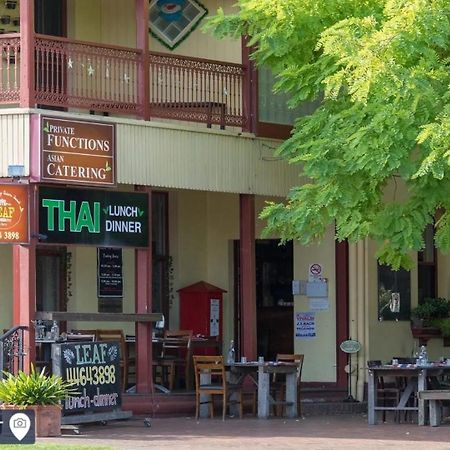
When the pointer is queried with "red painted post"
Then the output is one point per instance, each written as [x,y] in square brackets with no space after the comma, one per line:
[142,38]
[248,275]
[143,283]
[27,94]
[24,285]
[341,263]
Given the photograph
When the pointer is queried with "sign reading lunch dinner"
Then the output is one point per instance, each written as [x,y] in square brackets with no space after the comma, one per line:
[13,214]
[78,152]
[94,370]
[93,217]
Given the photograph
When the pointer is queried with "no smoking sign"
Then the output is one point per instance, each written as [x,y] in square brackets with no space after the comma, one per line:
[315,272]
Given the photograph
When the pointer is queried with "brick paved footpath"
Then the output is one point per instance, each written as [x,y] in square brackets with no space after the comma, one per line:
[310,433]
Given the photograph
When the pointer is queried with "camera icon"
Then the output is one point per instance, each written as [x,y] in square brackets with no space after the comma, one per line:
[19,423]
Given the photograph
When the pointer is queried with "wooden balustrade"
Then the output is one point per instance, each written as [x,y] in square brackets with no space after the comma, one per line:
[99,77]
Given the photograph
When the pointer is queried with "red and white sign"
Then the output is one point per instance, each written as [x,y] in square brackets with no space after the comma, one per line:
[315,272]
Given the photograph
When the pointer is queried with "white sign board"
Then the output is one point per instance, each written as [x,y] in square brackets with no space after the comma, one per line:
[319,304]
[214,317]
[305,325]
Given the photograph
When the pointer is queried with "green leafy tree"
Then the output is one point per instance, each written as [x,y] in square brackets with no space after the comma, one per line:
[381,70]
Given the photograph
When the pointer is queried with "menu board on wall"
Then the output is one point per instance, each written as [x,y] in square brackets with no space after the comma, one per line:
[94,370]
[109,272]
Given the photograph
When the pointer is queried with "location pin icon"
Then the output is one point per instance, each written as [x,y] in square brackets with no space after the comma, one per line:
[19,424]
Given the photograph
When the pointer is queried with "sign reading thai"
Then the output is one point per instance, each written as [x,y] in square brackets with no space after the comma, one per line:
[13,214]
[78,152]
[93,217]
[94,370]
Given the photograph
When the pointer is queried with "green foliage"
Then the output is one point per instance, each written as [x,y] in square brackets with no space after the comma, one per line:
[431,309]
[35,388]
[381,71]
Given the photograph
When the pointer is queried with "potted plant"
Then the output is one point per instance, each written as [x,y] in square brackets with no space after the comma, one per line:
[426,317]
[40,392]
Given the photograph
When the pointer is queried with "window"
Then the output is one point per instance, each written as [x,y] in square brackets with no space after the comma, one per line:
[275,118]
[427,266]
[394,293]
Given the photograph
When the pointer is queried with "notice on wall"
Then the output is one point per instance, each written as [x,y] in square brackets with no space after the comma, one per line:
[319,304]
[214,317]
[94,369]
[109,272]
[305,325]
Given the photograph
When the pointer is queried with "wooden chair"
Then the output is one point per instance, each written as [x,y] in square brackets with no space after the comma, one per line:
[118,336]
[212,368]
[278,385]
[388,393]
[175,355]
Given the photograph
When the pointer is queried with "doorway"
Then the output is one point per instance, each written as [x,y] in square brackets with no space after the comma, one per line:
[51,280]
[274,299]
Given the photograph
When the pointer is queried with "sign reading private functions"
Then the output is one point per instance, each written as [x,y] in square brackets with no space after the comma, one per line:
[93,217]
[109,272]
[13,214]
[94,370]
[78,152]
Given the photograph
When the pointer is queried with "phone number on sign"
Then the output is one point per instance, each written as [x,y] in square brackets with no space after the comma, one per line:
[9,235]
[81,376]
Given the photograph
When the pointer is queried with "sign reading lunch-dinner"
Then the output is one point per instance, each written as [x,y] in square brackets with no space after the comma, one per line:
[78,152]
[13,214]
[93,217]
[94,370]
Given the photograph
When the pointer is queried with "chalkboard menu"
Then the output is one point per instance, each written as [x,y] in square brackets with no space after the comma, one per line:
[109,272]
[94,369]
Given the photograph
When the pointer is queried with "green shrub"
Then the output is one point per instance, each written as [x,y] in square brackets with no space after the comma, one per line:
[432,308]
[35,388]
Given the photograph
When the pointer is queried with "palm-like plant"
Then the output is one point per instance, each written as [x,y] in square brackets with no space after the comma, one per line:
[35,388]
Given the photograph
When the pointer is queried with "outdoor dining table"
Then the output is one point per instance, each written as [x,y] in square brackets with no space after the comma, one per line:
[261,373]
[416,380]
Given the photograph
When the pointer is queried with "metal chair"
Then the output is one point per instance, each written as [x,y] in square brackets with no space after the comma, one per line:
[212,368]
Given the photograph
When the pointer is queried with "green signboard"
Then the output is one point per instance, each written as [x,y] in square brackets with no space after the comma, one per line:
[93,217]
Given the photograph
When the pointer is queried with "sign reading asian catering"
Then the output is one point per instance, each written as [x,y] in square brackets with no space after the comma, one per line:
[79,152]
[93,217]
[13,214]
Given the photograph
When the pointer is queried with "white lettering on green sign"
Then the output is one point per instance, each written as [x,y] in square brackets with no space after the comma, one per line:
[86,218]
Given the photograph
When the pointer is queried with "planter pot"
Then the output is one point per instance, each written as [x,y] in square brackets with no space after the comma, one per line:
[48,419]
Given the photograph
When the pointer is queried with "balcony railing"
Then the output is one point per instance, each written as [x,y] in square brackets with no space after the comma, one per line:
[104,78]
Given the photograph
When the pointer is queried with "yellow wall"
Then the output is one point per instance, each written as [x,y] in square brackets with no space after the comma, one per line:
[202,249]
[320,353]
[113,22]
[6,287]
[84,297]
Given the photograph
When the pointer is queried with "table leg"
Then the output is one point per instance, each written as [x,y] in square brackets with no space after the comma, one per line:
[371,399]
[205,378]
[234,378]
[421,386]
[291,395]
[263,393]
